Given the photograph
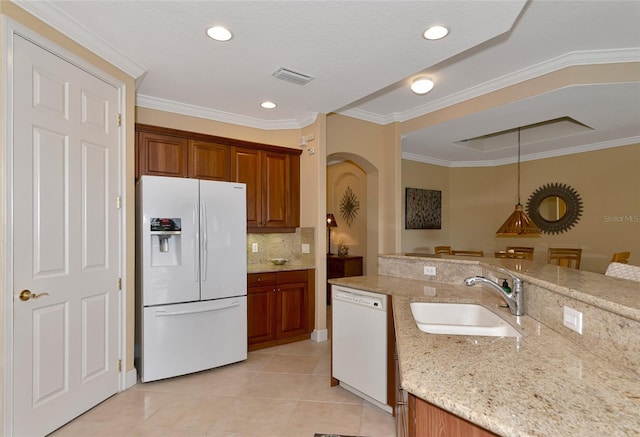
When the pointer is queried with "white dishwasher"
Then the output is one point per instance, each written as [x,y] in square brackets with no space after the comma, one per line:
[359,343]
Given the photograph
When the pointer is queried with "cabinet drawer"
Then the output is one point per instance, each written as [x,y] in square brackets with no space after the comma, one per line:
[292,277]
[261,279]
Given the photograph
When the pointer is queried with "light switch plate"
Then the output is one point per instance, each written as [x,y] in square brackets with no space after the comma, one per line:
[572,319]
[305,248]
[429,270]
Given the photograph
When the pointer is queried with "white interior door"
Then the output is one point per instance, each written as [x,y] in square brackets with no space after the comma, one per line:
[66,240]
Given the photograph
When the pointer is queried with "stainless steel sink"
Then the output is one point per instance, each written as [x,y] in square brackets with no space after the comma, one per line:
[460,319]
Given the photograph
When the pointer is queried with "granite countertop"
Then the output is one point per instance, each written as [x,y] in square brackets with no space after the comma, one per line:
[541,384]
[270,267]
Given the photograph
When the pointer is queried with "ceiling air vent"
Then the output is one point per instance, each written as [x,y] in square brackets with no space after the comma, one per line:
[292,76]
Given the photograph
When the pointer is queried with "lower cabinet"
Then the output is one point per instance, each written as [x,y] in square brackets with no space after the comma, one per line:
[418,418]
[280,307]
[402,404]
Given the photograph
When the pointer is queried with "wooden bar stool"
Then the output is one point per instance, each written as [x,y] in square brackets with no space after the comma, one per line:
[564,257]
[621,257]
[525,249]
[442,249]
[513,254]
[467,252]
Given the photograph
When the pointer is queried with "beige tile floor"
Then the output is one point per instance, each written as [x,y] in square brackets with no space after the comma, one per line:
[277,392]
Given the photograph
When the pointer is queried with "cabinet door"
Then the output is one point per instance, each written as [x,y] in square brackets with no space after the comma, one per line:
[292,310]
[261,314]
[246,168]
[276,180]
[162,155]
[209,161]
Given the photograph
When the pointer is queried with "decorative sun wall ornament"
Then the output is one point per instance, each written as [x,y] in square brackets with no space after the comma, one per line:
[349,206]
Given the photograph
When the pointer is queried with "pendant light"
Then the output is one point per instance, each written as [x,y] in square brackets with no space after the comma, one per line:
[518,224]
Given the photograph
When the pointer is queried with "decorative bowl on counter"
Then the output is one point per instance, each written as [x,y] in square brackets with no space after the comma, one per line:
[279,261]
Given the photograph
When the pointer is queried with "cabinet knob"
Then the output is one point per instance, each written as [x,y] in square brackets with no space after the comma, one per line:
[259,279]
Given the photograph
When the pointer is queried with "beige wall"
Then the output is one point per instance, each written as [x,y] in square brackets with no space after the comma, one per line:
[340,177]
[426,177]
[376,149]
[15,13]
[476,201]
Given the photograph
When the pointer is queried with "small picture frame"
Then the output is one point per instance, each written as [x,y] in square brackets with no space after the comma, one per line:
[423,209]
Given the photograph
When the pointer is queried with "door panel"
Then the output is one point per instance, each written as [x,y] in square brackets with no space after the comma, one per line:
[292,311]
[66,230]
[172,276]
[50,203]
[275,178]
[246,168]
[95,211]
[95,337]
[52,377]
[223,239]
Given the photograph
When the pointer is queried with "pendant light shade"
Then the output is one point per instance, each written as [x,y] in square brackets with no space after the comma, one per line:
[518,224]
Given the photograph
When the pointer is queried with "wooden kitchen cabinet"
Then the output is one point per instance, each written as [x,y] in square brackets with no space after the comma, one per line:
[426,420]
[402,403]
[208,160]
[161,155]
[273,188]
[280,307]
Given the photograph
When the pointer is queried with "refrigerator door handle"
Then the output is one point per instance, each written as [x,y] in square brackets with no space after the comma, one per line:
[205,242]
[196,245]
[233,304]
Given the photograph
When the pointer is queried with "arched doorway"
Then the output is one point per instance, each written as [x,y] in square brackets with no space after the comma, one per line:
[351,179]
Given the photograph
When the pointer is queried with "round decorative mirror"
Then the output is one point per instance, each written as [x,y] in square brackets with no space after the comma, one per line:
[554,208]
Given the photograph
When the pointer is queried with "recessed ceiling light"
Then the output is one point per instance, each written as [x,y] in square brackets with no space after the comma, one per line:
[268,105]
[219,33]
[436,32]
[422,85]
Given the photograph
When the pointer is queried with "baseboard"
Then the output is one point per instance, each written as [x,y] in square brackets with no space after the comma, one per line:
[320,335]
[132,378]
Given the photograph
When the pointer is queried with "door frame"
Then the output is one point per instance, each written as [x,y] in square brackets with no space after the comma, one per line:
[10,28]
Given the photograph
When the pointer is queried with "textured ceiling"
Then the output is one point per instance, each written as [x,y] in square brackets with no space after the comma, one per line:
[362,56]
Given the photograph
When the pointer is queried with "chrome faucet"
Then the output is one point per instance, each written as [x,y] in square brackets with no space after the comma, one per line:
[515,301]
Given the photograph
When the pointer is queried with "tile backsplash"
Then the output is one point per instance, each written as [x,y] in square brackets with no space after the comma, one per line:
[287,245]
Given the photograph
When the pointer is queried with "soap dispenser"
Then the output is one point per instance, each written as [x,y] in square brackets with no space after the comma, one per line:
[505,286]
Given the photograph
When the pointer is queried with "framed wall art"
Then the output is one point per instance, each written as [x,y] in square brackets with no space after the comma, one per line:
[423,209]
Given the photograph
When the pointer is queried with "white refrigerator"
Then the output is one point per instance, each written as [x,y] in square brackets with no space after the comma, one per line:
[191,275]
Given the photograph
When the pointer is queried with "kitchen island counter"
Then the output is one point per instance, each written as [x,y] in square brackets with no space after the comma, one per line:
[544,383]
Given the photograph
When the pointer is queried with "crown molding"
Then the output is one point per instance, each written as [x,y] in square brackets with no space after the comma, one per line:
[225,117]
[530,157]
[592,57]
[48,13]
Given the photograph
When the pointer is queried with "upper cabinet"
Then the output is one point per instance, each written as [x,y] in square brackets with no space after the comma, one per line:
[273,187]
[161,155]
[208,161]
[271,173]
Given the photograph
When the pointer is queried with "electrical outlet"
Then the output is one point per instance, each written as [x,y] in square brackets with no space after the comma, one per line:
[429,291]
[254,247]
[305,248]
[429,270]
[572,319]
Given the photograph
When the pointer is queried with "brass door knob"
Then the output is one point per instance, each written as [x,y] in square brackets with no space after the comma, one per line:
[26,295]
